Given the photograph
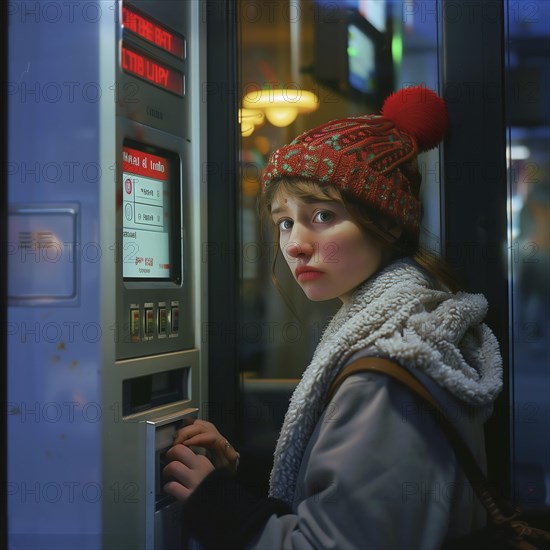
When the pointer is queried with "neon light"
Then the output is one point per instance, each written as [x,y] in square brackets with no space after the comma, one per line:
[397,48]
[148,29]
[152,71]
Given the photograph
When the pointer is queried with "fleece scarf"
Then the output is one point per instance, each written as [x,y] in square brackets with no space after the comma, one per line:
[401,315]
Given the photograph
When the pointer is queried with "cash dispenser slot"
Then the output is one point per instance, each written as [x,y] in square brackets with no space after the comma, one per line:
[164,438]
[163,516]
[153,390]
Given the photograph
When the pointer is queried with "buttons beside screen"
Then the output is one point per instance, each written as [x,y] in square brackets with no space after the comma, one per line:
[149,322]
[135,324]
[162,320]
[174,319]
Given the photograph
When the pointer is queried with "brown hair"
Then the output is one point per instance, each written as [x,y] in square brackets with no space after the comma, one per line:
[372,222]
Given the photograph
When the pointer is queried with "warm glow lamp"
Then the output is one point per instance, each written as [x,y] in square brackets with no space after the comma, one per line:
[281,106]
[249,119]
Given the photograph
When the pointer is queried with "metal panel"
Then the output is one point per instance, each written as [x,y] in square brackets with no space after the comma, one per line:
[43,240]
[77,469]
[139,100]
[54,423]
[130,293]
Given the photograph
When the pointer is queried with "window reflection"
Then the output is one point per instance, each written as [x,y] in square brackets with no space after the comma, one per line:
[309,45]
[528,155]
[351,54]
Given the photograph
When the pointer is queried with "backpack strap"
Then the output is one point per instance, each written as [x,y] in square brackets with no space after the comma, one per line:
[499,510]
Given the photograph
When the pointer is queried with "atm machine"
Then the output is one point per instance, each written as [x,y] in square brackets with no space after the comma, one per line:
[106,219]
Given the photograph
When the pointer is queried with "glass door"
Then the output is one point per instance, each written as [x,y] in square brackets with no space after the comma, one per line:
[527,38]
[349,56]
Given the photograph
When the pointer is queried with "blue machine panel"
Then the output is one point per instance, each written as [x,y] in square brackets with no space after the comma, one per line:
[55,490]
[43,248]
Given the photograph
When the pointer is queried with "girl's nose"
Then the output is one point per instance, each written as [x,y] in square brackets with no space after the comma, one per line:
[299,247]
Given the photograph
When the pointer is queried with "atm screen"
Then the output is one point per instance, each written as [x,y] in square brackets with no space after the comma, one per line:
[150,217]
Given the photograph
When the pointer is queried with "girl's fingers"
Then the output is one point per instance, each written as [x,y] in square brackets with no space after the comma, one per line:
[206,431]
[184,464]
[185,471]
[207,441]
[182,454]
[185,433]
[176,490]
[202,440]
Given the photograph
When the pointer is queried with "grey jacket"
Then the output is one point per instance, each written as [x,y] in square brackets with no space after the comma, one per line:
[372,470]
[378,473]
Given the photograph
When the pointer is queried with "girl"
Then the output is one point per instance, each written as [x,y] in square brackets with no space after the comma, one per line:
[369,468]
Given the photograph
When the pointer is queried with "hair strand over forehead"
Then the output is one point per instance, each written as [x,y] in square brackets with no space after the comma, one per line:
[300,189]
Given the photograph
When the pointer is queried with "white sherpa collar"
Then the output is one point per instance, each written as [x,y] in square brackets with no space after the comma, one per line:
[400,314]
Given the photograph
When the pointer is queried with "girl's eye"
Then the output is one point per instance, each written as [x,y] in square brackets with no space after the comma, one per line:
[284,225]
[323,216]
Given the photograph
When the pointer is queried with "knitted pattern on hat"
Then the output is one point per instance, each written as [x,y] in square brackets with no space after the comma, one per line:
[400,315]
[372,157]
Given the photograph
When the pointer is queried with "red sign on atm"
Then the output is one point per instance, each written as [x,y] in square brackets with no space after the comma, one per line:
[143,164]
[155,33]
[152,71]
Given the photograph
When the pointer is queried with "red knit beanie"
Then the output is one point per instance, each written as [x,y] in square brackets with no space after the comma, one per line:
[371,158]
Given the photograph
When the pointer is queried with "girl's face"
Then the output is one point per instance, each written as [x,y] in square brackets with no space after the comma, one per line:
[327,252]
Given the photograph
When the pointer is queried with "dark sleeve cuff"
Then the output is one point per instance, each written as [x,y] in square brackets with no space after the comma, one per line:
[222,514]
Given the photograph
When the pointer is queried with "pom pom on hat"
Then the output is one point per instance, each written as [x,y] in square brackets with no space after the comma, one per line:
[419,112]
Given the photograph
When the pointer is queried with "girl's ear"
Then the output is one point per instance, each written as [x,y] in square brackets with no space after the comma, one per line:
[387,230]
[395,231]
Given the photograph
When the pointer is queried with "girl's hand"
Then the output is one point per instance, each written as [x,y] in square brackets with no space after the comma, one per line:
[204,434]
[187,470]
[200,433]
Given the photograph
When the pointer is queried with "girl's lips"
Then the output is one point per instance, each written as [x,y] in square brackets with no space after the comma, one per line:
[304,273]
[309,275]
